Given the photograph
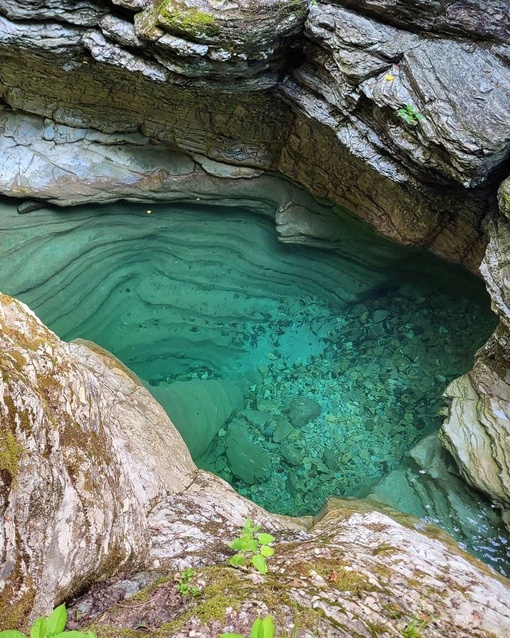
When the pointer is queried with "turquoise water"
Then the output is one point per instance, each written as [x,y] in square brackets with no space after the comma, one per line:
[291,372]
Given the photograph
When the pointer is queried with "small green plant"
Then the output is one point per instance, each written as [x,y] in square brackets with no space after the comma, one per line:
[252,548]
[409,114]
[413,628]
[259,629]
[184,586]
[51,626]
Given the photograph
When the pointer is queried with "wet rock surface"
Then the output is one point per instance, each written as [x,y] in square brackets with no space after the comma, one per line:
[472,18]
[428,484]
[477,428]
[338,132]
[476,431]
[351,59]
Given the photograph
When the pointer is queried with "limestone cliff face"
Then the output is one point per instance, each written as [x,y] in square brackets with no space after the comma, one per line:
[477,431]
[95,480]
[289,87]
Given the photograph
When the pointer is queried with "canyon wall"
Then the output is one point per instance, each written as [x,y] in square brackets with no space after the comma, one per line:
[142,100]
[97,486]
[310,91]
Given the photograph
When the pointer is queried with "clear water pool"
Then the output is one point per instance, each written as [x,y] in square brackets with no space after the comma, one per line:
[291,372]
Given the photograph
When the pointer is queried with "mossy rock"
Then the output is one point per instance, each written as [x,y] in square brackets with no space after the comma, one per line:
[504,198]
[191,22]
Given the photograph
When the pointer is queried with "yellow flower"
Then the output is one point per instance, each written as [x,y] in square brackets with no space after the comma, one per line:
[389,77]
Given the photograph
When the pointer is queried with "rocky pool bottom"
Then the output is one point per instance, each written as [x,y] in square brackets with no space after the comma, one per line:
[293,373]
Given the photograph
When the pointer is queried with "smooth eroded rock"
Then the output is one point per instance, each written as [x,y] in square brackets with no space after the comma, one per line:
[477,430]
[199,408]
[76,471]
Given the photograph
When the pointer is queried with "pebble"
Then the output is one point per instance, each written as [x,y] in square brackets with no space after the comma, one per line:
[380,315]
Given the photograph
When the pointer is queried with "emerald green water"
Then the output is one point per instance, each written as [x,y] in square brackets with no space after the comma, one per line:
[291,372]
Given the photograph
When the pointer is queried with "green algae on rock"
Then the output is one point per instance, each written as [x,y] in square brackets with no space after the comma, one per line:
[52,405]
[361,563]
[371,574]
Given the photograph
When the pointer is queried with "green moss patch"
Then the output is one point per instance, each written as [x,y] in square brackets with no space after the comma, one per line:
[189,21]
[10,451]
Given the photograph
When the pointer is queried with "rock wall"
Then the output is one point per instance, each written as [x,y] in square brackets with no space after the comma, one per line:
[71,508]
[477,431]
[311,98]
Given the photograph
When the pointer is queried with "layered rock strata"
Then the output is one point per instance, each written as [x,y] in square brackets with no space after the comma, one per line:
[70,504]
[85,454]
[477,431]
[320,105]
[158,67]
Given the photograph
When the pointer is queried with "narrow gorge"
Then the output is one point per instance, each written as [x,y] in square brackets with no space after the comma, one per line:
[286,223]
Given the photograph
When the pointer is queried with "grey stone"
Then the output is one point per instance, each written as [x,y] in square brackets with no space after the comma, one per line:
[247,461]
[28,206]
[109,53]
[83,12]
[49,133]
[59,523]
[181,46]
[475,19]
[292,454]
[119,31]
[303,411]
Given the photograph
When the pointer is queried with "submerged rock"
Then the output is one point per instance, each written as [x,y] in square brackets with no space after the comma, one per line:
[199,409]
[29,206]
[283,429]
[247,461]
[303,411]
[427,484]
[292,454]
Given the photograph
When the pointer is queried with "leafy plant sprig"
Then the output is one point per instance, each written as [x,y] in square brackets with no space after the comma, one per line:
[409,114]
[184,587]
[51,626]
[252,548]
[259,629]
[413,629]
